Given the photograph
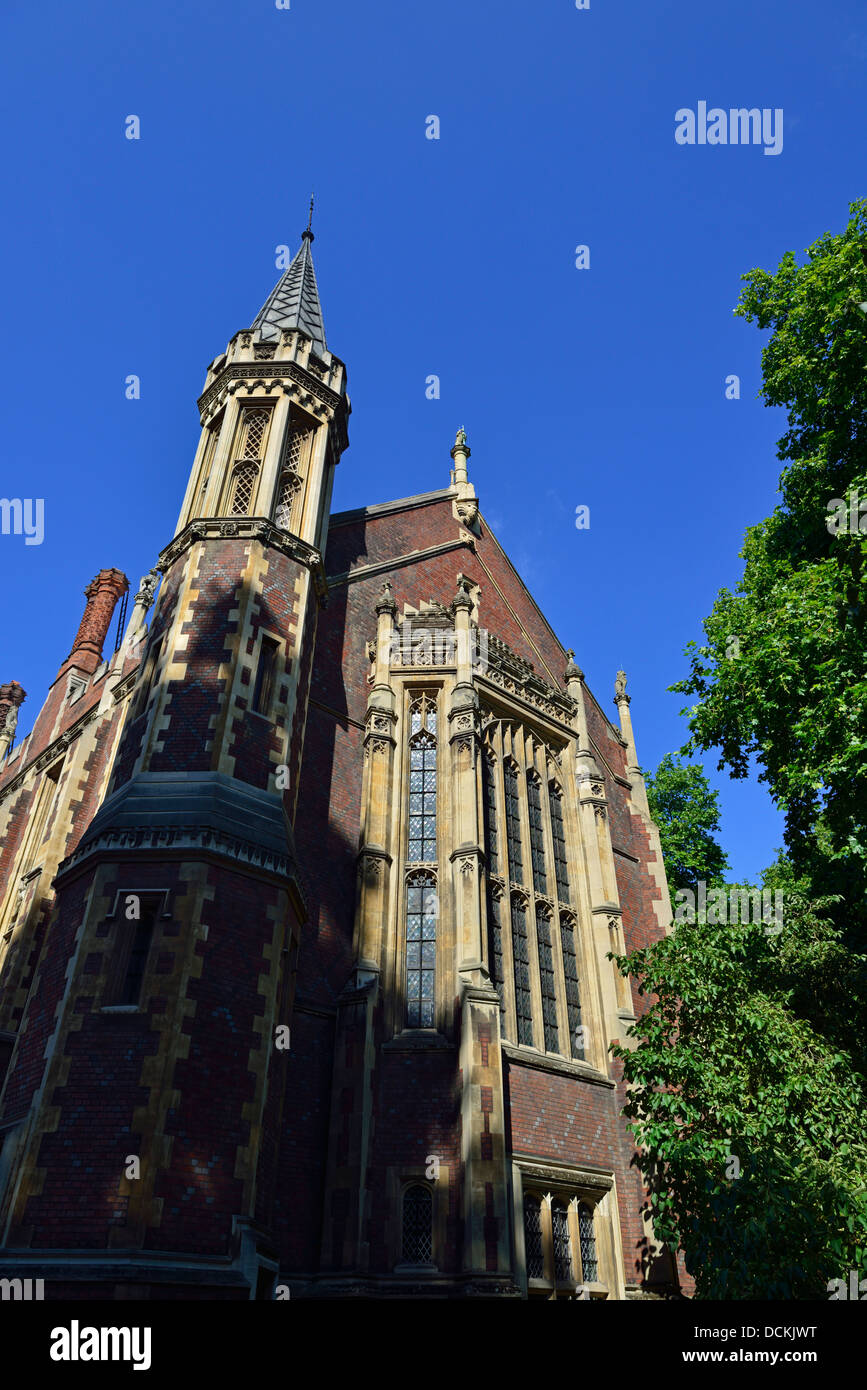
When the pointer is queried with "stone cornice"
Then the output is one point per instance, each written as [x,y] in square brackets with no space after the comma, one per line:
[544,1170]
[184,840]
[256,528]
[269,372]
[543,1061]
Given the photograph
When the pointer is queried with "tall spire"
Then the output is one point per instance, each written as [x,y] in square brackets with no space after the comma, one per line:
[294,302]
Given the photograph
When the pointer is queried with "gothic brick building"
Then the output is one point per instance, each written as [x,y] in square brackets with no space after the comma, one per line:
[307,895]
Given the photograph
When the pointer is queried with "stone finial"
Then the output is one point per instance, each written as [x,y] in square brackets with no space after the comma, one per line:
[460,453]
[385,603]
[620,689]
[573,671]
[12,696]
[463,598]
[147,588]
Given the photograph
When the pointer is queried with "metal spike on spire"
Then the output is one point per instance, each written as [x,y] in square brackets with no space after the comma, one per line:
[294,302]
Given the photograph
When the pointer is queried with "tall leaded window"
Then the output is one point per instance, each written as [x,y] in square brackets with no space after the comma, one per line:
[573,995]
[421,899]
[423,781]
[254,426]
[521,957]
[286,490]
[589,1263]
[533,1238]
[561,1241]
[513,823]
[492,841]
[561,866]
[417,1232]
[495,948]
[421,949]
[546,977]
[291,472]
[537,836]
[251,445]
[243,482]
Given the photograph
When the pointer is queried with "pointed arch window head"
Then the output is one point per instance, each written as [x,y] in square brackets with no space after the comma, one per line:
[513,823]
[421,949]
[537,834]
[558,832]
[417,1225]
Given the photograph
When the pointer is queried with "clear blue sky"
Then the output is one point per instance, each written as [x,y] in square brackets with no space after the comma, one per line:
[602,387]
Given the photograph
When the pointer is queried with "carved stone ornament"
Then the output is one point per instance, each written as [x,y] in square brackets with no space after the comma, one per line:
[599,811]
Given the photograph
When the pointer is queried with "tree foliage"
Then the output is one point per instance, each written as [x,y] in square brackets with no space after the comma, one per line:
[791,689]
[724,1068]
[686,810]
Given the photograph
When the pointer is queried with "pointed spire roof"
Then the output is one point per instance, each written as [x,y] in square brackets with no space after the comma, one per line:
[294,302]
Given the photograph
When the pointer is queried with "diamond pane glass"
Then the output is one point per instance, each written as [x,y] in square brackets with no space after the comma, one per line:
[537,836]
[546,976]
[589,1264]
[513,824]
[492,842]
[561,868]
[533,1238]
[573,995]
[420,951]
[562,1243]
[520,952]
[255,425]
[417,1243]
[242,491]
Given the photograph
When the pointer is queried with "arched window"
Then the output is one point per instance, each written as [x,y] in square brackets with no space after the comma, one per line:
[243,482]
[562,1243]
[573,996]
[417,1232]
[561,866]
[423,781]
[533,1238]
[492,839]
[546,980]
[286,489]
[421,949]
[537,835]
[589,1263]
[513,823]
[521,957]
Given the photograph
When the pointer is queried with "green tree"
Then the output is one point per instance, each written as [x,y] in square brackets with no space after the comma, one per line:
[686,811]
[782,675]
[747,1119]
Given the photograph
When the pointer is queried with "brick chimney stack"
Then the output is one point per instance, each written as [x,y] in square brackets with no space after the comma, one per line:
[102,594]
